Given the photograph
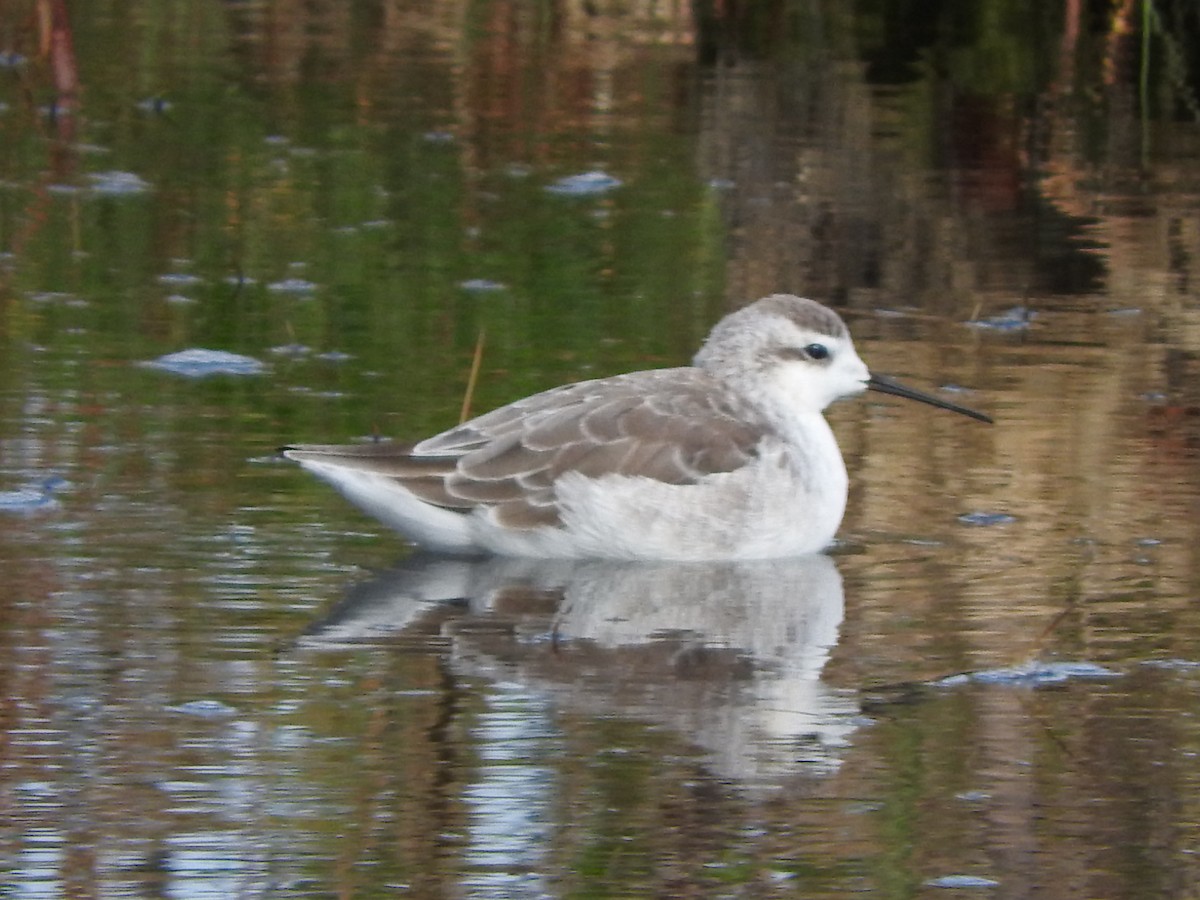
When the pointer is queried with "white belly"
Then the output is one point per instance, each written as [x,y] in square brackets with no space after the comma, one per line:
[789,502]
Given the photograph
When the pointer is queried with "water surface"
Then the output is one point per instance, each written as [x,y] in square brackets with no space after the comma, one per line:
[220,680]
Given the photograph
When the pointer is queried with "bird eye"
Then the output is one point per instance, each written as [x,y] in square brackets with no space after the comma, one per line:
[816,351]
[809,353]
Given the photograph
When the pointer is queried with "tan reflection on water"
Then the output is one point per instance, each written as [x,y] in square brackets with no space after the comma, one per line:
[187,709]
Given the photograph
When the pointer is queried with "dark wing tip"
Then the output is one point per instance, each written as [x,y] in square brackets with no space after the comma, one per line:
[303,451]
[365,450]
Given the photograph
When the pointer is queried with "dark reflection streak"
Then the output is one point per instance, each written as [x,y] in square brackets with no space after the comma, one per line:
[1050,729]
[445,788]
[1039,642]
[366,805]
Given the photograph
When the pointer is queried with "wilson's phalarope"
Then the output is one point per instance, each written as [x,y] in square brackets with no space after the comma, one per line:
[729,458]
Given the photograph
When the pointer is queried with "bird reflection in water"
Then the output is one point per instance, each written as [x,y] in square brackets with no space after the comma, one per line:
[729,655]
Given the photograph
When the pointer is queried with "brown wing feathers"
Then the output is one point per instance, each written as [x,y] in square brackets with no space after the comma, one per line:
[509,459]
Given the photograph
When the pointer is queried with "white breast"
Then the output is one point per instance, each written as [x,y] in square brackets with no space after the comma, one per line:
[789,502]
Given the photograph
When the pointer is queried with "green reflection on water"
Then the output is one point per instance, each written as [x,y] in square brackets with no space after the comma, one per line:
[388,160]
[255,183]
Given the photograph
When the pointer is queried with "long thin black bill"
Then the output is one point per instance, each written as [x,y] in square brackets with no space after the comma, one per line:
[886,385]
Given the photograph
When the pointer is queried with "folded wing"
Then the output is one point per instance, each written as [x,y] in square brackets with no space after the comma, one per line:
[666,425]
